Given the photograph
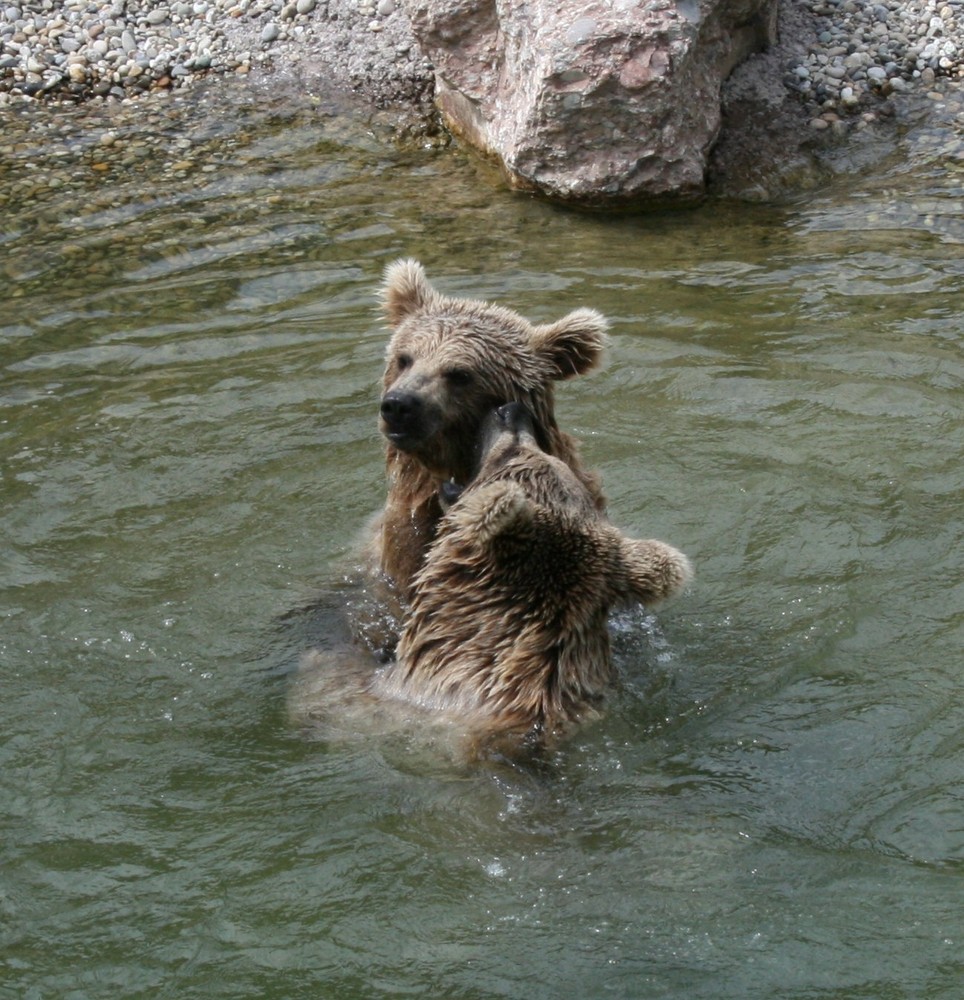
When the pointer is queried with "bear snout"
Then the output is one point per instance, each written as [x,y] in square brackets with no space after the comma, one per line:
[401,413]
[512,419]
[406,420]
[515,417]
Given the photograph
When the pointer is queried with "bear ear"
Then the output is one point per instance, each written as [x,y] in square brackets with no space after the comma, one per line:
[574,344]
[654,571]
[405,290]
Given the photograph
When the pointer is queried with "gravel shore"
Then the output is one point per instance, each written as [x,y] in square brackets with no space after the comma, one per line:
[73,50]
[77,49]
[839,65]
[882,47]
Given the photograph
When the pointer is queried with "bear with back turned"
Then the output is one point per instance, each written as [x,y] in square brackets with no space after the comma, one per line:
[507,629]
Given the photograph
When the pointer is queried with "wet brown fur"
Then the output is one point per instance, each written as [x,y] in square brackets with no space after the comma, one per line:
[507,630]
[463,358]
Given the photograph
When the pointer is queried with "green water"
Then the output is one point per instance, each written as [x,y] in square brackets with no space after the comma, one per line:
[772,806]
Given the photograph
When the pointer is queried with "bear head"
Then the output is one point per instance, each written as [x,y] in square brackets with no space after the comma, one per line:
[451,361]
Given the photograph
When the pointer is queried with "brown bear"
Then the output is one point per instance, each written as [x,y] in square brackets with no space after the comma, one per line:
[507,627]
[450,362]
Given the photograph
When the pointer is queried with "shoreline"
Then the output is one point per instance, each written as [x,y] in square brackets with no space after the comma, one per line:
[840,67]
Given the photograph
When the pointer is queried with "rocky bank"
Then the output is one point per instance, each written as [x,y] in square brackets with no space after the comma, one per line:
[838,68]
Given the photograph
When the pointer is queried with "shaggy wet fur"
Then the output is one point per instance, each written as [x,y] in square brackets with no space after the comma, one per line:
[507,630]
[449,363]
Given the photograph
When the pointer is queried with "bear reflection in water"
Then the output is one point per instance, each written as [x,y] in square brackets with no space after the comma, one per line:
[505,639]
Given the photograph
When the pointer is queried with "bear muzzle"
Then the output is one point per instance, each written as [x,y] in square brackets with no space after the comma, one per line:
[406,420]
[512,419]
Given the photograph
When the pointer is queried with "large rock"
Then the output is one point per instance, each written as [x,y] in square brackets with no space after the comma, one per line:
[595,102]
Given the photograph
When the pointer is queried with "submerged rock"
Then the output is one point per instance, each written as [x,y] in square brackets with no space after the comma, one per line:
[594,102]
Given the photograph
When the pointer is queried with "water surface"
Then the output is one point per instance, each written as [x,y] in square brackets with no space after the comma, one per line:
[189,358]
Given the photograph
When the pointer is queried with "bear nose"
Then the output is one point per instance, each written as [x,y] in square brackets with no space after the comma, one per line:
[513,416]
[399,409]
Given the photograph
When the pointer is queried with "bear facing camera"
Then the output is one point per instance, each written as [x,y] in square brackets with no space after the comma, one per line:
[449,363]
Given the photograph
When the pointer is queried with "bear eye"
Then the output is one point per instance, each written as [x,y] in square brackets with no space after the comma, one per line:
[403,361]
[459,377]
